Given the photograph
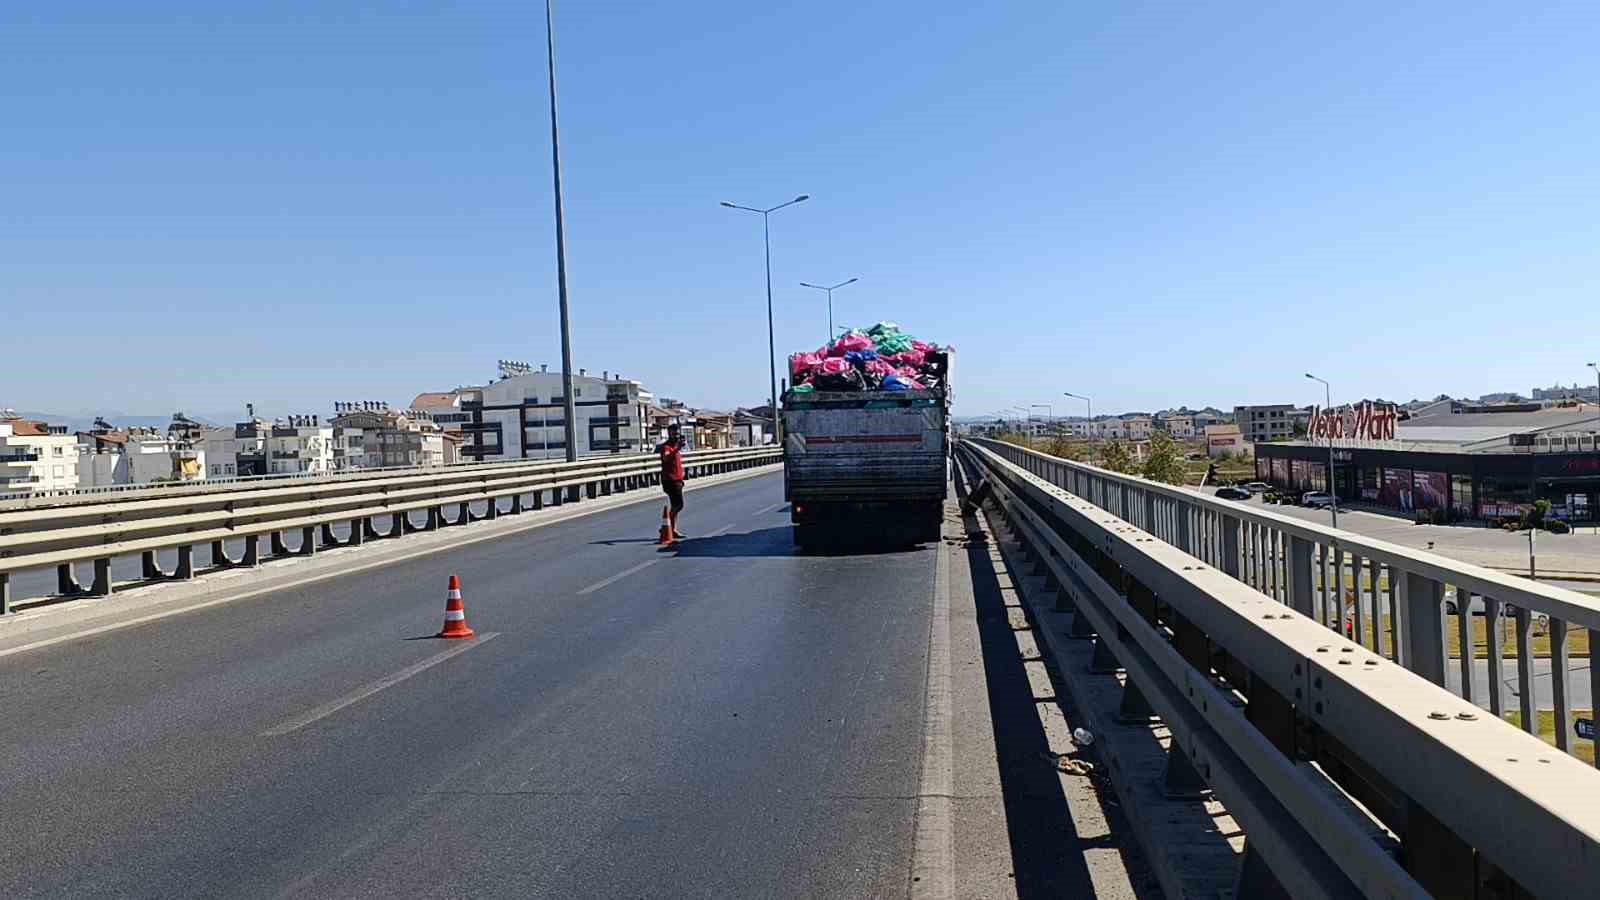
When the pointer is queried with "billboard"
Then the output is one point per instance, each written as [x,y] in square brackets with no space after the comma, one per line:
[1430,490]
[1395,489]
[1280,472]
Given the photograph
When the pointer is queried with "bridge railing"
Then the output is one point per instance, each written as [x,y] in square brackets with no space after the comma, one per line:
[1430,613]
[1351,774]
[62,535]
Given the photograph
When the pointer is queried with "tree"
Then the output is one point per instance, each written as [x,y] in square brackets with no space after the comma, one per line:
[1114,456]
[1164,463]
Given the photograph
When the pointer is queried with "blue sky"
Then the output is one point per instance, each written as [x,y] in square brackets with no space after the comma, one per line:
[1150,203]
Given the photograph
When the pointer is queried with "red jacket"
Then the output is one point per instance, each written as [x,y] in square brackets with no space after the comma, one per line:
[671,461]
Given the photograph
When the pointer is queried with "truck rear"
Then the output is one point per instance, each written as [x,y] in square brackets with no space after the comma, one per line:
[866,466]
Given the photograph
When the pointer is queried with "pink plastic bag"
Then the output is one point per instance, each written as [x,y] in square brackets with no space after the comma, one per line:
[923,346]
[833,365]
[801,364]
[913,358]
[879,367]
[850,343]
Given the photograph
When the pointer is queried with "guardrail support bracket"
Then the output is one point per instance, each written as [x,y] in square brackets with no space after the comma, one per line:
[1182,781]
[1135,709]
[185,570]
[5,593]
[1256,881]
[102,578]
[1441,862]
[1103,662]
[1081,626]
[66,582]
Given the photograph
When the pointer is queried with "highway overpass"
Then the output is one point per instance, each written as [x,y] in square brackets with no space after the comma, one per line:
[235,691]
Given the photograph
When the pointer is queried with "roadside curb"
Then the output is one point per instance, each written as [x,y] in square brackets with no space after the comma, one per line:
[1180,837]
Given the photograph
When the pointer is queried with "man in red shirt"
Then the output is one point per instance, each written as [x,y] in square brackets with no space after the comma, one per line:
[672,475]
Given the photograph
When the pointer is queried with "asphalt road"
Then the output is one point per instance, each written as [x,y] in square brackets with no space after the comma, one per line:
[724,720]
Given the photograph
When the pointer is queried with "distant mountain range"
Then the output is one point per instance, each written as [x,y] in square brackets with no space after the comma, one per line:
[85,421]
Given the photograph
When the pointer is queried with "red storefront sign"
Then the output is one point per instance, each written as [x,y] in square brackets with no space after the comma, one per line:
[1364,421]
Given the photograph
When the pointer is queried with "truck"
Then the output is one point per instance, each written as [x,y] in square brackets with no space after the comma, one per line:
[867,466]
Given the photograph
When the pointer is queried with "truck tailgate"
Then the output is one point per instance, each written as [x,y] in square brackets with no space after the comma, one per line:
[869,450]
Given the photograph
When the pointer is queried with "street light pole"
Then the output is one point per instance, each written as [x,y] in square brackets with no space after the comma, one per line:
[1327,409]
[772,348]
[1050,413]
[570,410]
[1088,404]
[830,291]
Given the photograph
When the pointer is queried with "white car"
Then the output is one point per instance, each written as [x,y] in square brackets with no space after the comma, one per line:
[1258,487]
[1316,499]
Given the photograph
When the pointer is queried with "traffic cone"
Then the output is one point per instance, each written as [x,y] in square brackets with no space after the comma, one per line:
[666,527]
[455,613]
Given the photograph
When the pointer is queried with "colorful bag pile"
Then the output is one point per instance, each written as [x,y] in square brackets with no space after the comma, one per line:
[878,358]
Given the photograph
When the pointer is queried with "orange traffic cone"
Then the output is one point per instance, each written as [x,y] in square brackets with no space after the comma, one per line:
[667,536]
[455,614]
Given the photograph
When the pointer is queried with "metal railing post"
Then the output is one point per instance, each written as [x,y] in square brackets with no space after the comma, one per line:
[1302,597]
[1421,625]
[1230,547]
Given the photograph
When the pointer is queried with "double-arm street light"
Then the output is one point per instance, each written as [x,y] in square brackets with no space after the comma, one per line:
[1050,414]
[830,291]
[766,237]
[1327,409]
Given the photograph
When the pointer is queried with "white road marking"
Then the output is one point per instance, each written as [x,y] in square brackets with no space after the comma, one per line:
[766,509]
[362,693]
[720,531]
[619,576]
[933,847]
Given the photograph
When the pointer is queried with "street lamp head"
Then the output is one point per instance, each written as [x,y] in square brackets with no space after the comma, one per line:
[729,205]
[1311,376]
[802,197]
[854,280]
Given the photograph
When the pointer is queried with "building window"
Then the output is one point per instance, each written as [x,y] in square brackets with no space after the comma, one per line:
[56,470]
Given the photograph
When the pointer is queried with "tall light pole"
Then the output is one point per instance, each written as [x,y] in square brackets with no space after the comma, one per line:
[570,409]
[1050,413]
[1027,423]
[830,291]
[772,350]
[1088,405]
[1327,409]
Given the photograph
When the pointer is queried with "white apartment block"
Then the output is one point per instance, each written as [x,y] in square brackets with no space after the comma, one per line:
[35,457]
[523,417]
[136,456]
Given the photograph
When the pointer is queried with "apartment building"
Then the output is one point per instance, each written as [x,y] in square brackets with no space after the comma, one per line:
[522,415]
[374,438]
[1259,424]
[108,456]
[36,457]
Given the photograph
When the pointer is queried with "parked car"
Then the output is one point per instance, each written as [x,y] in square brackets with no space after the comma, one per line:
[1233,493]
[1316,499]
[1257,487]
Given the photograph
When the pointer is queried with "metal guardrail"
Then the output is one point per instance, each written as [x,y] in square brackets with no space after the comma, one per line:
[34,499]
[1311,740]
[129,524]
[1402,596]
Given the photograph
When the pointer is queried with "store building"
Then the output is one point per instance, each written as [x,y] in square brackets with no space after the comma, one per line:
[1466,466]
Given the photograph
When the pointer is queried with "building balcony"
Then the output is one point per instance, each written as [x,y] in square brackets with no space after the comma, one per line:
[18,479]
[12,457]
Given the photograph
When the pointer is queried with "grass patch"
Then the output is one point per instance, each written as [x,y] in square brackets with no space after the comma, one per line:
[1577,640]
[1581,748]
